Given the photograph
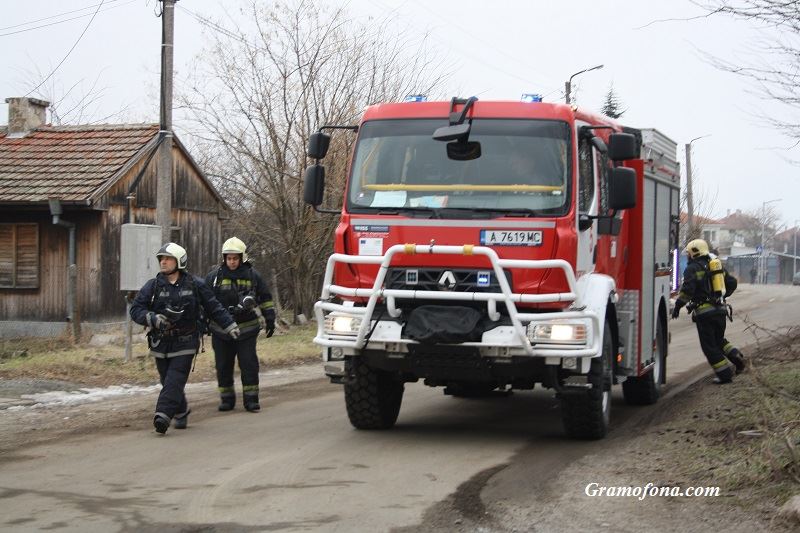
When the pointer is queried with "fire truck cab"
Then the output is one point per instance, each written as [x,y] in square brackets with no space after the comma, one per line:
[485,246]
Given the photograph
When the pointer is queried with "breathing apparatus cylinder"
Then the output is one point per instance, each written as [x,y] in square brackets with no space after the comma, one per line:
[717,277]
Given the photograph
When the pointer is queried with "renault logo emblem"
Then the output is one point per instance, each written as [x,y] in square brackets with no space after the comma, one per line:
[447,281]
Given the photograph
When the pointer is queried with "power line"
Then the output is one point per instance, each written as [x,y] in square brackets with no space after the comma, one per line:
[59,21]
[211,24]
[70,50]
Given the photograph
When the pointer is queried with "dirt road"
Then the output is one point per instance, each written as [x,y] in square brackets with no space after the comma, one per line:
[450,464]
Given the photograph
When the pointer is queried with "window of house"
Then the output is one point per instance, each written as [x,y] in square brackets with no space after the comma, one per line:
[19,256]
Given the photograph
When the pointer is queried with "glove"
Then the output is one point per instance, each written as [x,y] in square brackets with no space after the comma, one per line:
[676,311]
[159,322]
[270,328]
[235,332]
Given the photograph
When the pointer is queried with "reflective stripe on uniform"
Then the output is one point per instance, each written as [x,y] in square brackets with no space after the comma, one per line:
[721,364]
[223,390]
[249,388]
[266,305]
[239,282]
[727,348]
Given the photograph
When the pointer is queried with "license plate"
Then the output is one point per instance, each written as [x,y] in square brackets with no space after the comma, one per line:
[490,237]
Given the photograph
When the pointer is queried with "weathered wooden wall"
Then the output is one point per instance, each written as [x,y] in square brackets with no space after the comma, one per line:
[196,211]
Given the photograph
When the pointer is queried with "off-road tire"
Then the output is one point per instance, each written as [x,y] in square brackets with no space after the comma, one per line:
[586,414]
[645,390]
[372,397]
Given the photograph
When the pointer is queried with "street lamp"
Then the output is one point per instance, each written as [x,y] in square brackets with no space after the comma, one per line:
[689,196]
[762,278]
[568,83]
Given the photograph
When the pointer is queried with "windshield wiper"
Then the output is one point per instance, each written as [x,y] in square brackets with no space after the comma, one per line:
[418,212]
[488,212]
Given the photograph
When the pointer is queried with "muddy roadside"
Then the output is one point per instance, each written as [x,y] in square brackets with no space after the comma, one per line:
[741,438]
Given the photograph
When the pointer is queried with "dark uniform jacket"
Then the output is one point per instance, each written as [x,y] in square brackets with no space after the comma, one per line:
[696,289]
[230,287]
[189,293]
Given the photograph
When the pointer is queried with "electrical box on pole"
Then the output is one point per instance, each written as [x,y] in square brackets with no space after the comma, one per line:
[138,262]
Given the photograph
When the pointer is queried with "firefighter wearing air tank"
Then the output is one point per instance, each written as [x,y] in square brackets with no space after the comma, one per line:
[172,306]
[705,286]
[240,288]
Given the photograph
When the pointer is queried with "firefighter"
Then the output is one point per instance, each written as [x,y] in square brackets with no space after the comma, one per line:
[704,297]
[172,306]
[239,287]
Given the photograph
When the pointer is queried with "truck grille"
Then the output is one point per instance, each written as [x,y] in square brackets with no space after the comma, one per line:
[443,279]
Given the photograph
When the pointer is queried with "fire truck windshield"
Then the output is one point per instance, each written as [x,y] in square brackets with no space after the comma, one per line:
[524,166]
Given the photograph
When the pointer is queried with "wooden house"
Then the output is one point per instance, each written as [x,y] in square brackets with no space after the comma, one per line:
[92,171]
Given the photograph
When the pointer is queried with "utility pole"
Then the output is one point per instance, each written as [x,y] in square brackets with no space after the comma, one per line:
[689,195]
[164,175]
[690,231]
[762,263]
[794,260]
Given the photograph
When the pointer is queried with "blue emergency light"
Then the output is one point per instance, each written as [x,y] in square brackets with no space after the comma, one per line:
[415,98]
[530,98]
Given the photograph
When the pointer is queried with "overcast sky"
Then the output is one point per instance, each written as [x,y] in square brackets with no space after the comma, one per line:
[652,52]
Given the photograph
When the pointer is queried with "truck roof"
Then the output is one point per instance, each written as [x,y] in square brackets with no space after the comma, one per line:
[483,109]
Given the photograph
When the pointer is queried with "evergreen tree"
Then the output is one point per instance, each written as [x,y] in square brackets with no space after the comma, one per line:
[612,105]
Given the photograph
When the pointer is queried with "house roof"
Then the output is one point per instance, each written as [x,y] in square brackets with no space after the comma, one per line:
[703,221]
[67,162]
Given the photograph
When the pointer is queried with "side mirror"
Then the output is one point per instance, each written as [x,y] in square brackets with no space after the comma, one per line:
[622,188]
[314,185]
[318,145]
[463,151]
[622,146]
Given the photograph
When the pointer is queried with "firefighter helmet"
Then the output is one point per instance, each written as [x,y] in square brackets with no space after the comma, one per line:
[697,248]
[175,251]
[234,245]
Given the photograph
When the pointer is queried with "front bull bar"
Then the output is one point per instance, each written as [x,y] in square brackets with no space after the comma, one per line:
[329,290]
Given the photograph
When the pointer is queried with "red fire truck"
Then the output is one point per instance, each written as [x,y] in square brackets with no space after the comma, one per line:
[485,246]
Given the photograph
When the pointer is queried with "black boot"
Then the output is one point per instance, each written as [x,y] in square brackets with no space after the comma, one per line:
[736,357]
[724,375]
[182,419]
[251,401]
[227,401]
[161,423]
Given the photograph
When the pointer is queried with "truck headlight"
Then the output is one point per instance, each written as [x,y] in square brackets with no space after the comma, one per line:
[557,333]
[338,324]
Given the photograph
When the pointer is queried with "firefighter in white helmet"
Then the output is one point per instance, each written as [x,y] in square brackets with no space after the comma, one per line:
[173,305]
[704,289]
[241,289]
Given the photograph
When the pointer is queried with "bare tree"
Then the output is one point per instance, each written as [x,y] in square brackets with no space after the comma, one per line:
[775,67]
[259,93]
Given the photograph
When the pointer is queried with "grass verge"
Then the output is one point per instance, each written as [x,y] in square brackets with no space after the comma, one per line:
[98,366]
[743,437]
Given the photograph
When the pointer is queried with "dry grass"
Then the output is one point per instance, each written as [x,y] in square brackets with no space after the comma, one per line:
[744,437]
[101,366]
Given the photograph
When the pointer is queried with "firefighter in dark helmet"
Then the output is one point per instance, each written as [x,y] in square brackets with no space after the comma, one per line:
[705,286]
[172,305]
[240,288]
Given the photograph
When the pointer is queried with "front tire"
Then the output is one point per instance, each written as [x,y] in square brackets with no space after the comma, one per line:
[372,396]
[586,414]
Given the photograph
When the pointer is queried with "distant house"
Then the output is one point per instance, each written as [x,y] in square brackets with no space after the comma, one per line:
[92,170]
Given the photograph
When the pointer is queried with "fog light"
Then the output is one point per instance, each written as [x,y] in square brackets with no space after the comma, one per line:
[570,363]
